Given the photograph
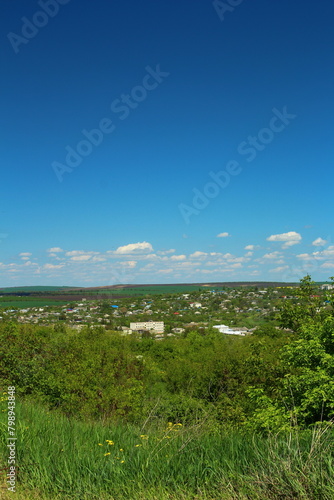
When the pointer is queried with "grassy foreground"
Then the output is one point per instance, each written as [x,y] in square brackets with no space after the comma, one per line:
[60,458]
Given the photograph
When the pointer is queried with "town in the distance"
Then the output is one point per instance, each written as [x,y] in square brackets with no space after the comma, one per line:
[157,311]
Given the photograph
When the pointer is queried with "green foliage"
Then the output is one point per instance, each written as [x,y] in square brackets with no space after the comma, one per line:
[99,374]
[264,382]
[267,330]
[306,392]
[304,308]
[60,457]
[223,397]
[309,383]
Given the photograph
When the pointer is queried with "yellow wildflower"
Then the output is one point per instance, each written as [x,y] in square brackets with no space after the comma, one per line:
[106,454]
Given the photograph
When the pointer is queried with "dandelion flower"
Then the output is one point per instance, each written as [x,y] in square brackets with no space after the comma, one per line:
[106,454]
[122,461]
[137,445]
[100,444]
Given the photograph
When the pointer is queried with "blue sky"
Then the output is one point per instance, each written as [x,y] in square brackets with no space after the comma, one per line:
[163,141]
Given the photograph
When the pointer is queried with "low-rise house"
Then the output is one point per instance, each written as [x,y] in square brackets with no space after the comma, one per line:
[327,286]
[228,331]
[178,330]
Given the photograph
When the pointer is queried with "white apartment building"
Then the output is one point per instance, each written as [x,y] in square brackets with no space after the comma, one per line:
[156,326]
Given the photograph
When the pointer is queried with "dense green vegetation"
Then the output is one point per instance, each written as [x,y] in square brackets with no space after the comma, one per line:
[226,417]
[100,374]
[65,459]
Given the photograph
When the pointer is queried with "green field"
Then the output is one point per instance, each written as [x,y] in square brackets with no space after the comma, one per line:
[60,458]
[147,290]
[26,302]
[32,289]
[45,296]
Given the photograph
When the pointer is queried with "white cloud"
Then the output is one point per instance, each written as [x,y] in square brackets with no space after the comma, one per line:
[53,266]
[73,253]
[254,273]
[304,256]
[25,255]
[186,264]
[222,235]
[238,259]
[319,242]
[166,252]
[290,238]
[198,254]
[272,255]
[324,254]
[177,257]
[327,265]
[130,264]
[55,250]
[215,263]
[97,258]
[250,247]
[81,258]
[147,267]
[134,247]
[279,269]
